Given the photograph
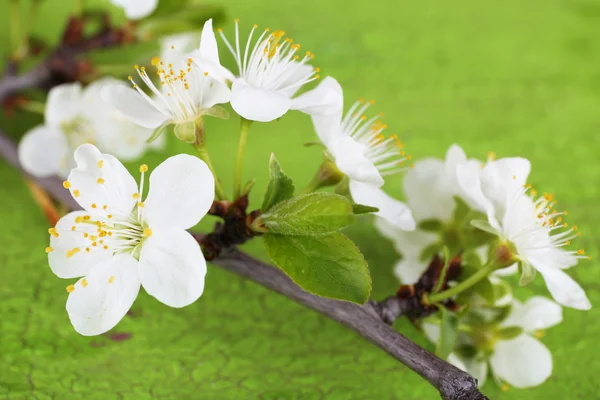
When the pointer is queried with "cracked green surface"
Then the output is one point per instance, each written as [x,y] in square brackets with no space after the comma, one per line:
[517,78]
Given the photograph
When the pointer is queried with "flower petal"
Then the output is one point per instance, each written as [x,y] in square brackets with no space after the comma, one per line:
[213,92]
[182,190]
[257,104]
[325,100]
[537,313]
[475,367]
[350,159]
[103,297]
[208,49]
[137,9]
[389,208]
[470,182]
[132,105]
[100,179]
[522,362]
[65,239]
[562,287]
[43,151]
[427,191]
[63,104]
[172,268]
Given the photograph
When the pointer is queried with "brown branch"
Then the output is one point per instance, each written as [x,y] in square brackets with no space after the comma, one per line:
[372,320]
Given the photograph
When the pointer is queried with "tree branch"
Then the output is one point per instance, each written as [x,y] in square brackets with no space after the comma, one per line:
[372,320]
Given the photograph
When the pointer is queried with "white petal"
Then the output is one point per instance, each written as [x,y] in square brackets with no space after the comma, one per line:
[181,192]
[132,105]
[325,100]
[405,242]
[522,362]
[427,191]
[137,9]
[409,269]
[537,313]
[172,268]
[477,368]
[432,331]
[100,305]
[213,92]
[257,104]
[208,49]
[350,159]
[80,263]
[63,104]
[470,182]
[43,151]
[121,137]
[389,208]
[562,287]
[502,177]
[115,188]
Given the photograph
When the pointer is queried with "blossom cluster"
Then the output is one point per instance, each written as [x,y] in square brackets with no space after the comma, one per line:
[483,212]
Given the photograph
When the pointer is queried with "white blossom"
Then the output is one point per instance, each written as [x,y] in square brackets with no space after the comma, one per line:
[121,241]
[136,9]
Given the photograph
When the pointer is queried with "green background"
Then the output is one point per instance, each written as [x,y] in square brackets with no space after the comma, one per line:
[514,77]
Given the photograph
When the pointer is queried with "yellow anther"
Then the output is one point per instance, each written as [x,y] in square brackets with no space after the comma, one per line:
[109,216]
[87,249]
[111,279]
[136,66]
[581,252]
[566,224]
[73,228]
[147,232]
[49,249]
[136,195]
[105,247]
[143,168]
[409,158]
[53,232]
[568,242]
[155,61]
[69,254]
[76,193]
[514,177]
[84,282]
[86,217]
[130,77]
[372,101]
[94,205]
[70,288]
[361,100]
[78,220]
[491,156]
[317,69]
[206,73]
[237,20]
[140,204]
[104,207]
[219,29]
[505,388]
[66,184]
[364,117]
[85,234]
[100,181]
[94,244]
[100,162]
[255,26]
[575,227]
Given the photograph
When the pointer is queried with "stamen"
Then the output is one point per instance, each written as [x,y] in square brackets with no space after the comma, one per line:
[49,249]
[66,184]
[70,288]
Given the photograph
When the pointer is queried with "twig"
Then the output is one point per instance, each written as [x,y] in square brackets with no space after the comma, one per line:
[370,321]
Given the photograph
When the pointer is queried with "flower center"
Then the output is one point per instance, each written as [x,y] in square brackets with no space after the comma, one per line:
[78,131]
[387,154]
[175,97]
[106,228]
[274,62]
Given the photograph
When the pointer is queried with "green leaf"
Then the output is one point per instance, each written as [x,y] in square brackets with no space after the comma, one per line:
[280,187]
[311,214]
[527,273]
[329,265]
[510,332]
[362,209]
[448,334]
[431,225]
